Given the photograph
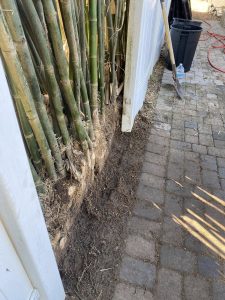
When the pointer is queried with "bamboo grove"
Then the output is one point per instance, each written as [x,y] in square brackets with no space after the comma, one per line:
[64,61]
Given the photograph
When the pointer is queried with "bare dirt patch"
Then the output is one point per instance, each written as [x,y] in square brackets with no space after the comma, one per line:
[90,263]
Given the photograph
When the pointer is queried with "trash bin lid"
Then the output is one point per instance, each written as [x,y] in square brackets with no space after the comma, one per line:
[186,27]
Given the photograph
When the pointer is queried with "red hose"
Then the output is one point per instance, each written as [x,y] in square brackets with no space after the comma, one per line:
[214,45]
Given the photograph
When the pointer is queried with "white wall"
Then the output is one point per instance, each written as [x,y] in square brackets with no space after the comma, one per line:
[20,210]
[145,38]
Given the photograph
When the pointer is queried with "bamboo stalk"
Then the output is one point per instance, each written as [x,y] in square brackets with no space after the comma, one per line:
[63,69]
[82,37]
[110,27]
[19,39]
[37,180]
[101,34]
[75,59]
[28,134]
[115,39]
[53,88]
[93,45]
[37,62]
[74,47]
[16,75]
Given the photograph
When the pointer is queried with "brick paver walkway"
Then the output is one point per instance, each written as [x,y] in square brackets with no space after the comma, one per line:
[176,243]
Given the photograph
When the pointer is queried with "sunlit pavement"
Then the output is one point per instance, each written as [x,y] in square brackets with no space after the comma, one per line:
[176,243]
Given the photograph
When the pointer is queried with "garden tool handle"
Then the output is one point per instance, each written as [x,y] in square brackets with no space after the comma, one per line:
[168,37]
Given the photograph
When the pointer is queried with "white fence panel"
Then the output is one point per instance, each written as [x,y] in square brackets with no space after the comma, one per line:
[20,210]
[144,41]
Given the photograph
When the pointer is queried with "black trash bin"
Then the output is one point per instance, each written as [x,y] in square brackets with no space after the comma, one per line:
[187,22]
[185,39]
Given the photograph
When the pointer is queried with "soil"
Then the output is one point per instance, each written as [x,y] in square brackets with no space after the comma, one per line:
[89,266]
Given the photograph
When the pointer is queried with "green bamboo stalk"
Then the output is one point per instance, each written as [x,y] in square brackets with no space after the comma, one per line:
[28,134]
[75,59]
[93,46]
[109,26]
[40,12]
[19,39]
[37,62]
[53,88]
[82,36]
[101,52]
[64,71]
[76,10]
[115,39]
[16,75]
[37,180]
[26,130]
[119,43]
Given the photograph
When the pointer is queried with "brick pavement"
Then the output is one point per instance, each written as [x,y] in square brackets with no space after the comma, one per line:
[175,248]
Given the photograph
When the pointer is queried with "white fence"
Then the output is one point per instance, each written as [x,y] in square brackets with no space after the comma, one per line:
[145,38]
[28,268]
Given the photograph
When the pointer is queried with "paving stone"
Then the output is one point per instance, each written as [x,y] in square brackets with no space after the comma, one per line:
[218,289]
[216,212]
[210,179]
[160,132]
[193,156]
[189,131]
[155,139]
[208,267]
[155,158]
[192,172]
[213,121]
[221,162]
[177,259]
[211,96]
[207,129]
[147,210]
[138,272]
[175,172]
[150,194]
[196,288]
[154,169]
[222,181]
[128,292]
[178,124]
[180,145]
[191,124]
[157,148]
[138,247]
[173,204]
[208,162]
[222,173]
[219,135]
[191,139]
[216,152]
[199,149]
[177,188]
[205,140]
[176,156]
[152,180]
[172,232]
[163,116]
[169,285]
[177,134]
[193,244]
[219,144]
[147,229]
[162,126]
[218,128]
